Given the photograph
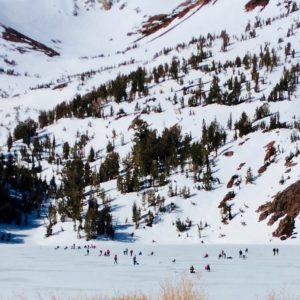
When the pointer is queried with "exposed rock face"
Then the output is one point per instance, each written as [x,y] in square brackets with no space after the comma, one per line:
[286,205]
[157,22]
[252,4]
[27,43]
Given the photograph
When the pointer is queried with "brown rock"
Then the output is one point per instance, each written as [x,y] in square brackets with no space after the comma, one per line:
[228,153]
[252,4]
[262,169]
[285,204]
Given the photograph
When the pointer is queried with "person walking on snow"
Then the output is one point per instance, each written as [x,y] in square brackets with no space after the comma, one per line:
[115,259]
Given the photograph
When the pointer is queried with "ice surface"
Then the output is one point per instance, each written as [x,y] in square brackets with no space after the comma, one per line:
[34,271]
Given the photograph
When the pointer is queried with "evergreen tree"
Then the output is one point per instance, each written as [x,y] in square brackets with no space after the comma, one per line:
[91,157]
[9,142]
[73,187]
[66,150]
[244,125]
[136,214]
[215,94]
[90,224]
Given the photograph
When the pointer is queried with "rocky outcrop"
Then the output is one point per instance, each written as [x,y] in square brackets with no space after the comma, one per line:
[285,205]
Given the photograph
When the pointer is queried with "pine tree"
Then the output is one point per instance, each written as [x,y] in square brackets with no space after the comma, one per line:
[149,218]
[9,142]
[66,150]
[215,93]
[136,214]
[174,69]
[90,224]
[91,157]
[73,187]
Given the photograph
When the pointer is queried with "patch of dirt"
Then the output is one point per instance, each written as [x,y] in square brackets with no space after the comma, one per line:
[240,166]
[233,180]
[262,169]
[229,196]
[14,36]
[286,205]
[60,86]
[252,4]
[228,153]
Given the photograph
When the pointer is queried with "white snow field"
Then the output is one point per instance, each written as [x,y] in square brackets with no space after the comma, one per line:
[32,272]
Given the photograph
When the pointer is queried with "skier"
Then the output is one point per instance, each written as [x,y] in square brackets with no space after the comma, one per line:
[131,252]
[241,253]
[277,251]
[100,254]
[274,251]
[87,251]
[115,259]
[134,261]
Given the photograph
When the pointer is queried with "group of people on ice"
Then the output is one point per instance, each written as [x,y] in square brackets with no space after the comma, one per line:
[222,254]
[127,252]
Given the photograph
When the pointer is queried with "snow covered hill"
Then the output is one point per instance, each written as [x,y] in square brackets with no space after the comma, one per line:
[213,60]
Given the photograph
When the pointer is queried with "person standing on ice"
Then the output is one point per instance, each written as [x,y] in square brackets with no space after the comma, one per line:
[207,268]
[115,259]
[192,269]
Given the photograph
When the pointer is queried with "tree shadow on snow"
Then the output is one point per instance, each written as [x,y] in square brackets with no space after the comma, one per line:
[11,238]
[122,235]
[14,234]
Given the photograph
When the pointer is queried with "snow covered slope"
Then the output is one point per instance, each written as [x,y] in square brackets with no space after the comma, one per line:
[96,45]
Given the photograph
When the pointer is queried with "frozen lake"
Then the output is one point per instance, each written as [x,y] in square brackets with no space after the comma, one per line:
[34,271]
